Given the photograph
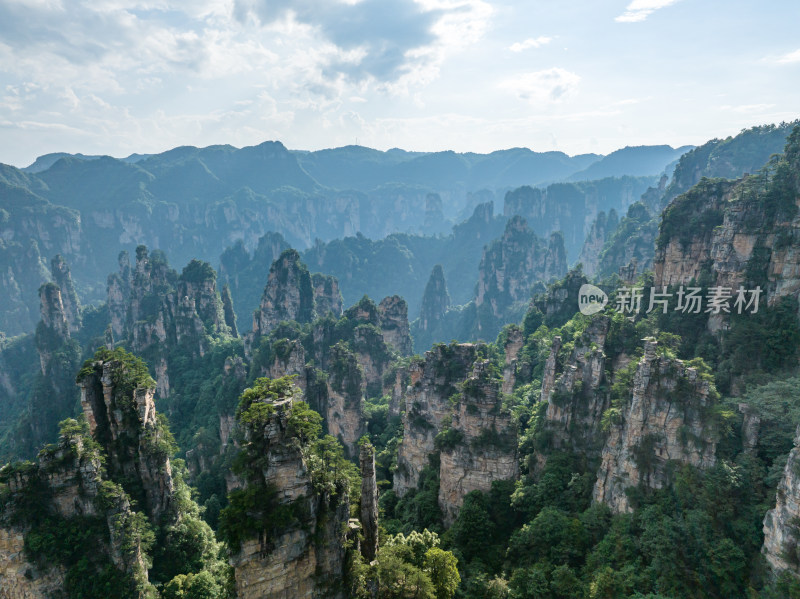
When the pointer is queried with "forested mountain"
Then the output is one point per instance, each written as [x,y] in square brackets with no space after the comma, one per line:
[728,158]
[646,450]
[195,202]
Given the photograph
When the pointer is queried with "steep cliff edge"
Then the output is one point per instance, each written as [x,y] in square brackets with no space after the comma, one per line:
[286,523]
[160,313]
[480,444]
[87,513]
[669,418]
[66,484]
[781,533]
[738,233]
[454,421]
[577,390]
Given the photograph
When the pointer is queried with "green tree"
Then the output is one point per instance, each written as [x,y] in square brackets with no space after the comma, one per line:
[442,568]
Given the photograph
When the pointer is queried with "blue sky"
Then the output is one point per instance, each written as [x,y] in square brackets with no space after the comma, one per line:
[116,77]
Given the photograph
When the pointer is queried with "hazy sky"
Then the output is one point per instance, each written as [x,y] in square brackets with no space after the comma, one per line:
[116,77]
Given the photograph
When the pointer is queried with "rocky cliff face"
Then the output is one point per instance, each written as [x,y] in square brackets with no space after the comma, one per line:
[572,207]
[600,232]
[52,396]
[486,446]
[668,419]
[228,311]
[61,277]
[393,322]
[435,302]
[304,558]
[511,265]
[123,419]
[781,534]
[633,239]
[30,229]
[65,483]
[155,309]
[343,406]
[369,502]
[453,409]
[576,391]
[427,406]
[742,235]
[513,345]
[327,297]
[292,293]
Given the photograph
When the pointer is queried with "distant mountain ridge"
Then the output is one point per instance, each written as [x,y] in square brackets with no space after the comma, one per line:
[194,202]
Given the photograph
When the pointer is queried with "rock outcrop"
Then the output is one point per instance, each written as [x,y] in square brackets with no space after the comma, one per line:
[511,265]
[435,302]
[781,533]
[427,406]
[22,272]
[369,502]
[155,309]
[61,277]
[66,483]
[343,405]
[122,417]
[741,233]
[572,207]
[513,345]
[484,446]
[287,296]
[54,320]
[669,419]
[304,557]
[227,309]
[576,391]
[453,410]
[600,232]
[393,322]
[327,297]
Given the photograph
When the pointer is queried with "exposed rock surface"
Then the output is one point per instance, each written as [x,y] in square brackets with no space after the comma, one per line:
[369,502]
[393,314]
[287,296]
[572,207]
[66,481]
[576,391]
[345,397]
[601,230]
[227,309]
[668,419]
[740,237]
[301,560]
[453,409]
[427,406]
[511,265]
[512,347]
[486,450]
[155,309]
[781,534]
[435,302]
[62,278]
[21,579]
[124,421]
[327,297]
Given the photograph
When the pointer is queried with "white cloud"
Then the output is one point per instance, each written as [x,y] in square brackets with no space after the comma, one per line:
[789,58]
[548,85]
[639,10]
[531,42]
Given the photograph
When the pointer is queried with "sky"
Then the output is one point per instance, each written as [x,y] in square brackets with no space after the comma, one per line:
[117,77]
